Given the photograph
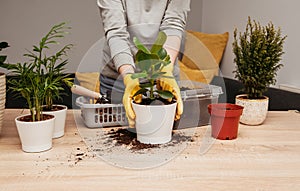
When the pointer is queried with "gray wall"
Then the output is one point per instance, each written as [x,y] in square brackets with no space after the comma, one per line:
[195,15]
[24,22]
[220,16]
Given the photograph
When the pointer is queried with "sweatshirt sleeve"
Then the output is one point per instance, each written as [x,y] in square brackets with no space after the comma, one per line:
[174,21]
[115,27]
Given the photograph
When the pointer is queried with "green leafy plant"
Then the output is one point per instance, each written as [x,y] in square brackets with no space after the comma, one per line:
[150,64]
[54,65]
[40,80]
[258,52]
[3,45]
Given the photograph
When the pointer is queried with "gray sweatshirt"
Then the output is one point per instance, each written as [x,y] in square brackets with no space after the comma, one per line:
[125,19]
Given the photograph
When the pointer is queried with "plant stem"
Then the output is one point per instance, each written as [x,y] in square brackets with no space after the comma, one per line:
[152,89]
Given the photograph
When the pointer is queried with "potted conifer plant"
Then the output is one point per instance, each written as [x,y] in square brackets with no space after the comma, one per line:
[258,52]
[155,115]
[34,81]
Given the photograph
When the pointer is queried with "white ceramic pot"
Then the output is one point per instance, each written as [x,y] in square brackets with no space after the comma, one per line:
[60,120]
[35,136]
[255,110]
[154,123]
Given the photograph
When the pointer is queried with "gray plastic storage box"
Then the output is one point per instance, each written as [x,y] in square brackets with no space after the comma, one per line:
[196,96]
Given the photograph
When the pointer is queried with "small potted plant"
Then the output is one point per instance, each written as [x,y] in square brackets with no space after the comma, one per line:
[54,73]
[35,81]
[35,129]
[155,115]
[258,53]
[2,84]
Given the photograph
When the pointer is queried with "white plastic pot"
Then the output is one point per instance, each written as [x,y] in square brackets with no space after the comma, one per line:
[35,136]
[154,123]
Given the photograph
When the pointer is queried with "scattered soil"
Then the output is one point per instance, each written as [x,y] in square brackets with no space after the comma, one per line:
[120,147]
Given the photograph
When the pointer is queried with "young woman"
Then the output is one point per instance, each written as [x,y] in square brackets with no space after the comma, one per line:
[124,19]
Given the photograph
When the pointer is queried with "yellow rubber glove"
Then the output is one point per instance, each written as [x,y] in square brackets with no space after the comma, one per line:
[171,85]
[131,87]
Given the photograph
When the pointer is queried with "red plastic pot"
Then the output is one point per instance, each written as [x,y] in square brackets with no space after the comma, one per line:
[225,119]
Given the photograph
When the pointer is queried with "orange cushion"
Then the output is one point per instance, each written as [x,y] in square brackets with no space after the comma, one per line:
[203,76]
[202,55]
[89,80]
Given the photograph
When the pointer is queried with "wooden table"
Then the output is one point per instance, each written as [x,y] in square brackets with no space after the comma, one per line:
[265,157]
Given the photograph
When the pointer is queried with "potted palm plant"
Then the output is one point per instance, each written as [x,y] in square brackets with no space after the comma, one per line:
[54,70]
[258,52]
[155,115]
[35,129]
[34,81]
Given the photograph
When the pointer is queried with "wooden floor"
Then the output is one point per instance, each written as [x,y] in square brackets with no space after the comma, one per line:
[265,157]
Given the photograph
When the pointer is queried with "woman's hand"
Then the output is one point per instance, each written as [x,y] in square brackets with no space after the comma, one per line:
[131,87]
[171,85]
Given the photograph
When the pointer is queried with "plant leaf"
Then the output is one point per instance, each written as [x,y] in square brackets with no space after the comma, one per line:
[162,53]
[139,75]
[157,75]
[145,85]
[2,59]
[3,45]
[165,94]
[140,46]
[140,91]
[144,61]
[159,42]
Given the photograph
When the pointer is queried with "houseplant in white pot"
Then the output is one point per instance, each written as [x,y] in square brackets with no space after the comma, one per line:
[155,115]
[35,129]
[33,80]
[54,73]
[258,52]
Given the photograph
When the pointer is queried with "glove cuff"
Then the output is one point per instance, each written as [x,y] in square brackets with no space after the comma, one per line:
[127,78]
[129,81]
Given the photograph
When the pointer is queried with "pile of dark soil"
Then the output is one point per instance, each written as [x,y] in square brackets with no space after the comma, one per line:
[124,137]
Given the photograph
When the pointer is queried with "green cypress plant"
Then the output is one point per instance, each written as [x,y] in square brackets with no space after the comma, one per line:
[258,52]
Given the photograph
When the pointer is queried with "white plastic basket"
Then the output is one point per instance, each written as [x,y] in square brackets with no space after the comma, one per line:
[101,115]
